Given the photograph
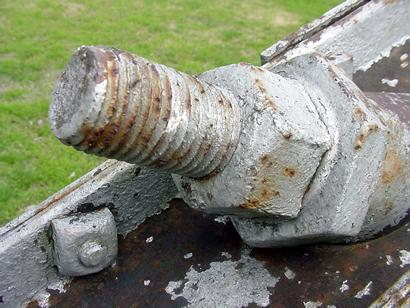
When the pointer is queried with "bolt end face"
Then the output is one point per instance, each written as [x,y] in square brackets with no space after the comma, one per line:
[78,94]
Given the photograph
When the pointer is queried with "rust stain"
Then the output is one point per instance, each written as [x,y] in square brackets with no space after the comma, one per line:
[363,136]
[266,160]
[260,86]
[360,114]
[388,206]
[263,189]
[392,167]
[270,104]
[287,135]
[289,172]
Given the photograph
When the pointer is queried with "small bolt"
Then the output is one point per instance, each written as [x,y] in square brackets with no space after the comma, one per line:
[114,104]
[92,254]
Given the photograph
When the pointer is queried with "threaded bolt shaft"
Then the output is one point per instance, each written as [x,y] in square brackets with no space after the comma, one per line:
[114,104]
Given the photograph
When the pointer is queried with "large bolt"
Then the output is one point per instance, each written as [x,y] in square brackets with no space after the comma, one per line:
[111,103]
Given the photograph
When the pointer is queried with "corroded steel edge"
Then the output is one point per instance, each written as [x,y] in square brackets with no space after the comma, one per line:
[311,29]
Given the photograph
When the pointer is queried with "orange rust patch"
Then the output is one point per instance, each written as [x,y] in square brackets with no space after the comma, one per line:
[263,189]
[289,172]
[363,136]
[392,167]
[255,202]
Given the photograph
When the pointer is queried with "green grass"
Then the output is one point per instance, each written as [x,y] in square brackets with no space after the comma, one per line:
[38,37]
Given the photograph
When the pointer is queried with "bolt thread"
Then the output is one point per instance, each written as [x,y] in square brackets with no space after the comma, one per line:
[117,105]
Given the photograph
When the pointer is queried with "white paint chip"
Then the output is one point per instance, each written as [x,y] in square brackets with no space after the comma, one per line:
[344,286]
[389,260]
[404,257]
[311,304]
[404,57]
[188,255]
[390,82]
[222,219]
[246,278]
[226,255]
[147,282]
[365,291]
[404,64]
[149,240]
[289,274]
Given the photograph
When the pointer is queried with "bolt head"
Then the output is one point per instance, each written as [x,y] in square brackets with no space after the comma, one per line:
[92,253]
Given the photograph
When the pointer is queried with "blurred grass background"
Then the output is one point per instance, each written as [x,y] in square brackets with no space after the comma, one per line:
[38,37]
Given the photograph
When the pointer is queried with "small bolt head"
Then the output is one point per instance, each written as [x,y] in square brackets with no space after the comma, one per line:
[92,253]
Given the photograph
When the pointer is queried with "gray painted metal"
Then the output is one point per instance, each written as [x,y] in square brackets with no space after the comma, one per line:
[26,251]
[84,243]
[351,183]
[132,193]
[311,161]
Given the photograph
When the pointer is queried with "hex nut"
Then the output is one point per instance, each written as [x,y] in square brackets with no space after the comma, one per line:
[282,142]
[84,243]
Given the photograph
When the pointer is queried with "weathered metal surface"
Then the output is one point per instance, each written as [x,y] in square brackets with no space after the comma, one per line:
[340,275]
[329,18]
[26,250]
[367,34]
[84,243]
[282,143]
[309,139]
[190,247]
[390,74]
[114,104]
[362,184]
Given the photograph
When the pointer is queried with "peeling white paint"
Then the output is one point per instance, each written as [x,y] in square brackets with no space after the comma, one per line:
[43,296]
[389,260]
[365,291]
[188,255]
[222,219]
[384,54]
[404,257]
[149,240]
[289,274]
[311,304]
[344,286]
[247,278]
[226,255]
[390,82]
